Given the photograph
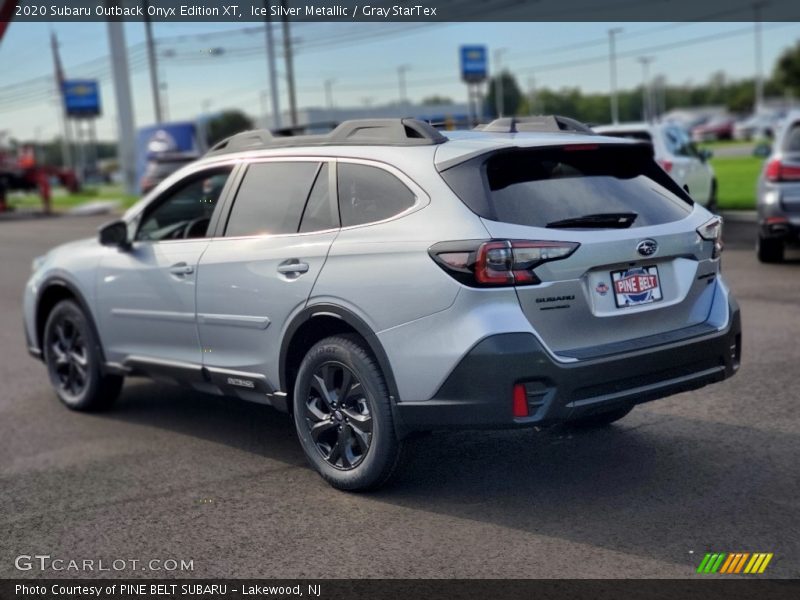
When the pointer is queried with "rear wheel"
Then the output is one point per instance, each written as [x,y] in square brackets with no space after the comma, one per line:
[769,250]
[343,415]
[72,355]
[601,419]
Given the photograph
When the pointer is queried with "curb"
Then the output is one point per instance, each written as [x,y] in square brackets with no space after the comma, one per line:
[739,216]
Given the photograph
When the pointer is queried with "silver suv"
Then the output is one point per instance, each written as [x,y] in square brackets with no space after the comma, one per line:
[779,194]
[386,279]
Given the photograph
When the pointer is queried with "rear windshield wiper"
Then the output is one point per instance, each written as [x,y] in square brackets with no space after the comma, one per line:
[599,220]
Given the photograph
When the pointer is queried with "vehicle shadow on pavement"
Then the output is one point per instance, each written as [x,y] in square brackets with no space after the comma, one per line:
[657,486]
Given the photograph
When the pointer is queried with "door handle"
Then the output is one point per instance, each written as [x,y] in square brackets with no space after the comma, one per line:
[293,266]
[181,269]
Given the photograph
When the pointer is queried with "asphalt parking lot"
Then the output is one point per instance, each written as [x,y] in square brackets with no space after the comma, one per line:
[171,474]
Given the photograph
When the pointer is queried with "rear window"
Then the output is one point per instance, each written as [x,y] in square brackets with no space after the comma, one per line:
[540,187]
[793,138]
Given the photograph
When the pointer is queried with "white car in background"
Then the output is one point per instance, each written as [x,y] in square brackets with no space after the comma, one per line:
[676,153]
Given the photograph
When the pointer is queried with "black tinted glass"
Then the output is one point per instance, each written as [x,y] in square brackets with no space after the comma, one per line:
[368,194]
[320,213]
[271,198]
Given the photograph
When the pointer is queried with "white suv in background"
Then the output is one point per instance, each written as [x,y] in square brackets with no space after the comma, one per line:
[677,155]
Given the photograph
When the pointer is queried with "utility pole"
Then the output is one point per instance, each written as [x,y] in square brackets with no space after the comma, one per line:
[272,70]
[646,110]
[401,78]
[287,54]
[612,65]
[66,140]
[531,95]
[499,100]
[757,6]
[122,90]
[151,59]
[329,96]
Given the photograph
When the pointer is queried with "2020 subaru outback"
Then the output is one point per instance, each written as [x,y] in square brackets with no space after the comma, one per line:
[386,279]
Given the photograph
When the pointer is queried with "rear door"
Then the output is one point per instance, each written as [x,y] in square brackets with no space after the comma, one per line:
[622,283]
[260,268]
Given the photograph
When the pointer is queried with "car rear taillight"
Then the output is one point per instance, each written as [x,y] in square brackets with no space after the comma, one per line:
[665,164]
[711,231]
[498,262]
[778,171]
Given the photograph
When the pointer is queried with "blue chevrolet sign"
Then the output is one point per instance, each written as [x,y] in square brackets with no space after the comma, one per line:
[81,97]
[474,63]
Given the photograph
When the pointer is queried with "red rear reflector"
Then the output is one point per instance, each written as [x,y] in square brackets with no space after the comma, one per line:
[775,220]
[520,403]
[666,165]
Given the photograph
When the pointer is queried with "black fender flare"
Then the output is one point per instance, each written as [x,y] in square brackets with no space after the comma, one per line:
[355,322]
[58,281]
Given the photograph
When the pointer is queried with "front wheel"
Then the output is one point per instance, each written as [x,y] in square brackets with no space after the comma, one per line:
[72,355]
[343,415]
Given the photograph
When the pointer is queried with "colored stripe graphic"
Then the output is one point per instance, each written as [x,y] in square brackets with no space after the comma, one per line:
[726,565]
[734,562]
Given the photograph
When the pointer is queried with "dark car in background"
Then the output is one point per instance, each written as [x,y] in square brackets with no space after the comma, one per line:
[161,166]
[778,199]
[716,128]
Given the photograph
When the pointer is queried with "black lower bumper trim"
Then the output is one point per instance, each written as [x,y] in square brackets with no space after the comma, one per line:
[478,392]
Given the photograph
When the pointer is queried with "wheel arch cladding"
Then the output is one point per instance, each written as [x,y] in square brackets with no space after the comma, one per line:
[52,292]
[315,323]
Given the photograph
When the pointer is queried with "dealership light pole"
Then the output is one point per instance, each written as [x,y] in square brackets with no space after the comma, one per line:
[151,59]
[499,100]
[757,6]
[646,111]
[122,90]
[612,64]
[401,79]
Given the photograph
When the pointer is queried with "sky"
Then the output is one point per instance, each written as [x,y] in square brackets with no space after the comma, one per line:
[210,67]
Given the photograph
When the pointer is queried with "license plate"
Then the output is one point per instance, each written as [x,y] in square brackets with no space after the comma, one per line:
[635,286]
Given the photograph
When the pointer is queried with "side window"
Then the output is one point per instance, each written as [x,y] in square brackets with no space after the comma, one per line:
[319,214]
[271,198]
[368,194]
[184,212]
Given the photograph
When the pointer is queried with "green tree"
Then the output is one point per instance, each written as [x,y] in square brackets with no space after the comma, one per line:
[787,69]
[226,124]
[512,96]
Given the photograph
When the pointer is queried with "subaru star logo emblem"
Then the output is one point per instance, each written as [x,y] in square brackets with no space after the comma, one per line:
[647,247]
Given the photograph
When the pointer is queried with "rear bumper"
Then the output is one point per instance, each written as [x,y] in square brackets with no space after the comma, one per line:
[478,392]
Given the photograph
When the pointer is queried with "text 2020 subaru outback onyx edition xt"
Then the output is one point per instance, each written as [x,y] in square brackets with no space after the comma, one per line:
[384,279]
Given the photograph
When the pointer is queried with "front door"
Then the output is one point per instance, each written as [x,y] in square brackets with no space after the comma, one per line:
[146,295]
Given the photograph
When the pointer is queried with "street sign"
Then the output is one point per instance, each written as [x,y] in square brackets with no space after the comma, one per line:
[474,64]
[81,98]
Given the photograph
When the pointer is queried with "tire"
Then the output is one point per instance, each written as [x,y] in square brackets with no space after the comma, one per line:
[601,419]
[712,198]
[341,394]
[769,250]
[74,360]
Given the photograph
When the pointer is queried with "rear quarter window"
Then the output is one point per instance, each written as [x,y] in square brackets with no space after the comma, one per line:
[537,187]
[369,194]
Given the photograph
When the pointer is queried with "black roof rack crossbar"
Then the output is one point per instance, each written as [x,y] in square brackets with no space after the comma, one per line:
[541,124]
[357,132]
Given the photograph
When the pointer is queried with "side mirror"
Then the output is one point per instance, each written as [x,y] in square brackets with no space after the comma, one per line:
[115,233]
[762,150]
[706,154]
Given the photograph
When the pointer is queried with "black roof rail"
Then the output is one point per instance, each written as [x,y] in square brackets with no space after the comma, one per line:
[357,132]
[543,124]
